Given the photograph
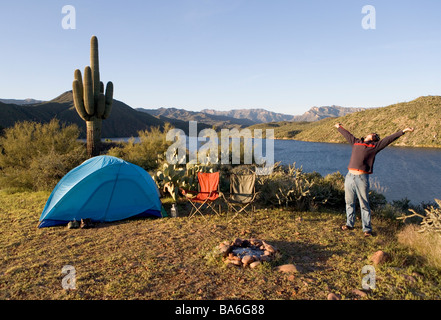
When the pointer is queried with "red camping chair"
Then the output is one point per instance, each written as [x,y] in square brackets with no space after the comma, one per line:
[208,193]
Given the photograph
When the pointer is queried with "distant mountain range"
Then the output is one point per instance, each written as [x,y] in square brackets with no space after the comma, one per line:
[20,102]
[124,121]
[218,121]
[252,115]
[248,117]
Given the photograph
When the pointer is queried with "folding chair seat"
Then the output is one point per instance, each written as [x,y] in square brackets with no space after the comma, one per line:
[242,193]
[208,193]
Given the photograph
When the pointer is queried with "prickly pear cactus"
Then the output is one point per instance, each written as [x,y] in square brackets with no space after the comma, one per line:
[92,103]
[170,179]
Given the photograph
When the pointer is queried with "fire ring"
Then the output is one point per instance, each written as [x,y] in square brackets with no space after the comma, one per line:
[247,252]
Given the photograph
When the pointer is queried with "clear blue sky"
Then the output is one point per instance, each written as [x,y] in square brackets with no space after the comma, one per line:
[281,55]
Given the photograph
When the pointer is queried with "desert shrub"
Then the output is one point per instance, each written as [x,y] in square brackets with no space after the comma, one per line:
[397,208]
[377,201]
[285,186]
[146,153]
[36,156]
[327,192]
[430,220]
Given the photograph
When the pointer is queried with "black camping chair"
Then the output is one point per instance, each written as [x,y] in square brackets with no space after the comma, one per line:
[242,193]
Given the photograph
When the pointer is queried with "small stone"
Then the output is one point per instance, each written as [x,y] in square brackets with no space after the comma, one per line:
[287,268]
[246,260]
[359,293]
[254,264]
[233,257]
[224,249]
[269,247]
[379,257]
[256,242]
[234,262]
[333,296]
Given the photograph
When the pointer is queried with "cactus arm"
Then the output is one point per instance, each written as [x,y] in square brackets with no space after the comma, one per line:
[79,78]
[94,65]
[77,90]
[88,92]
[100,106]
[108,100]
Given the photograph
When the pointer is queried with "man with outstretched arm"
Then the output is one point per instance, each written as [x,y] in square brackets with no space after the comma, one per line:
[360,167]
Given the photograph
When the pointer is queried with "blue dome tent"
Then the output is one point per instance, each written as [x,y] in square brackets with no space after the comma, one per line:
[103,189]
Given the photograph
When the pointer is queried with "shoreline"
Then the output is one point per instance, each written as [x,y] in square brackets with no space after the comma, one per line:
[399,145]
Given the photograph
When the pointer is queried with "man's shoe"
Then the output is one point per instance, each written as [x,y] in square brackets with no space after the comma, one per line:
[346,227]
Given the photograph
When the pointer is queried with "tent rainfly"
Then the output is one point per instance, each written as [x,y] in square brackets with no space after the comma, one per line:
[102,189]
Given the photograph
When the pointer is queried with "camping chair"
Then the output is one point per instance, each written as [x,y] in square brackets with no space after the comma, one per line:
[242,193]
[208,185]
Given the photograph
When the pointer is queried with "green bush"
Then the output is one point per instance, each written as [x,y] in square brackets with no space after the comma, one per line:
[327,192]
[145,153]
[36,156]
[286,187]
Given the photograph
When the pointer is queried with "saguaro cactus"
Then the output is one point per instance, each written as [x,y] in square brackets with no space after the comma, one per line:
[91,102]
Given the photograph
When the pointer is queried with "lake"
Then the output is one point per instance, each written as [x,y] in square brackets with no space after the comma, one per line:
[399,172]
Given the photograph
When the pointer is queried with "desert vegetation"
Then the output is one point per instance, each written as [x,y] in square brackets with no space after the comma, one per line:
[36,156]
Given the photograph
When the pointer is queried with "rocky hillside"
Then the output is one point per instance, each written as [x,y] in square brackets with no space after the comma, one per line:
[319,113]
[423,114]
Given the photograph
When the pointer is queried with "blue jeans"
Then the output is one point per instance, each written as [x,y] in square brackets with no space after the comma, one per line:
[358,185]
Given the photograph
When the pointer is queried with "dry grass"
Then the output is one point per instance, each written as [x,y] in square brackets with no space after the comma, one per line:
[427,244]
[172,258]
